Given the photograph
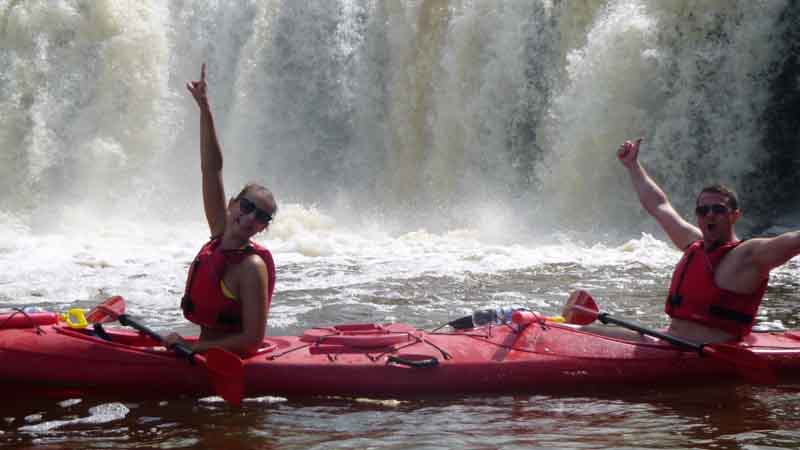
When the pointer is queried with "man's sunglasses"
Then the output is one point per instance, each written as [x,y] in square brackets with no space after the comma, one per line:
[246,207]
[716,208]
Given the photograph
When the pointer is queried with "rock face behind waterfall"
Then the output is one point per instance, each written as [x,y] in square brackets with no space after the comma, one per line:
[782,126]
[417,111]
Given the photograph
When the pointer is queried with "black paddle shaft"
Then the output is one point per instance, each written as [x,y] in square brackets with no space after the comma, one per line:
[606,319]
[178,347]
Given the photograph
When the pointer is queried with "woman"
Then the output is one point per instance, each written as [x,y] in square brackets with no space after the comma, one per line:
[230,283]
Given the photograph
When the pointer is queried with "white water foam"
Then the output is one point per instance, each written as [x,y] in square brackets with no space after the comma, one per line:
[101,414]
[146,263]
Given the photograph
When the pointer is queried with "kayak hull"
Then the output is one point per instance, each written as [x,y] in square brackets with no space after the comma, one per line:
[382,361]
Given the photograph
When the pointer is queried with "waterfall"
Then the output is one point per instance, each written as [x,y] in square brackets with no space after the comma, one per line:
[433,112]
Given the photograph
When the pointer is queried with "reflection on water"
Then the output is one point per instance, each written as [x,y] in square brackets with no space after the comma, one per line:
[709,417]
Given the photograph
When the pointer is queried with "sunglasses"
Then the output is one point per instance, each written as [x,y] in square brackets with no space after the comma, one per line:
[716,208]
[246,207]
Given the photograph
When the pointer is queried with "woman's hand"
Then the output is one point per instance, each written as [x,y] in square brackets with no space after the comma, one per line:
[198,89]
[628,153]
[173,339]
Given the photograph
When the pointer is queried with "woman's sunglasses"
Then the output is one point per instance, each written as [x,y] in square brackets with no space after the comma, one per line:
[716,208]
[246,207]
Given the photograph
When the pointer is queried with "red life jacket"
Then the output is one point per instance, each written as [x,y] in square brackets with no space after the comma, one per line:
[203,301]
[694,296]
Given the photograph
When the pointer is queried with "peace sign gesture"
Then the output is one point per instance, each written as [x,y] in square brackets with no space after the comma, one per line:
[198,88]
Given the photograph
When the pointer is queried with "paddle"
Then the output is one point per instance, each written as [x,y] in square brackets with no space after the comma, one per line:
[224,368]
[581,309]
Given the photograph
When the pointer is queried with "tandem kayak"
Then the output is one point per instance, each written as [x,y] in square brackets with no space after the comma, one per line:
[43,353]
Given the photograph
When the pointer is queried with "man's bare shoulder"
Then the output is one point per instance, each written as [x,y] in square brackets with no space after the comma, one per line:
[749,246]
[746,249]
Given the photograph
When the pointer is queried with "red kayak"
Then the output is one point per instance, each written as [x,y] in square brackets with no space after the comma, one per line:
[39,352]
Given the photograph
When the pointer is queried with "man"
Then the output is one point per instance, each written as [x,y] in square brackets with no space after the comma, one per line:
[719,283]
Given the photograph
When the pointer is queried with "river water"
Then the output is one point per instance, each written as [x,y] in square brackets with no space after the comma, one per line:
[429,158]
[420,278]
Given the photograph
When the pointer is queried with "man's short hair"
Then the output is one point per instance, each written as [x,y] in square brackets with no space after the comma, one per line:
[730,195]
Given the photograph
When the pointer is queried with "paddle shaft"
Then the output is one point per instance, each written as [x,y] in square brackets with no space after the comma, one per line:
[606,319]
[178,347]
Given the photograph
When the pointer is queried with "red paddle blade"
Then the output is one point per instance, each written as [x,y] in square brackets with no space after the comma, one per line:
[580,308]
[227,374]
[752,367]
[108,311]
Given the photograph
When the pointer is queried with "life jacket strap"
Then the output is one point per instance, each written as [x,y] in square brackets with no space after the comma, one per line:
[676,298]
[729,314]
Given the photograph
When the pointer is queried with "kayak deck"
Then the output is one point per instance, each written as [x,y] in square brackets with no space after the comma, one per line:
[391,360]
